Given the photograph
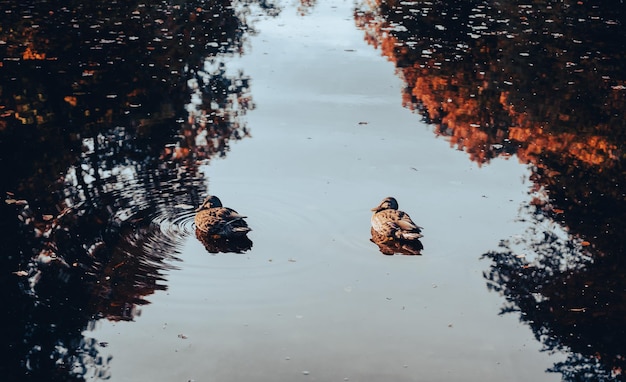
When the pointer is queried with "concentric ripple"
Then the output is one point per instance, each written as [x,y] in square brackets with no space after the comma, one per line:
[178,224]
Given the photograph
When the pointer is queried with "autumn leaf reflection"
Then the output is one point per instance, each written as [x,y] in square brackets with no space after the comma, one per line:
[543,82]
[520,87]
[305,7]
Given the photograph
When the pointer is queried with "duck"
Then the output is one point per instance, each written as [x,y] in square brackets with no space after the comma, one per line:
[390,224]
[218,222]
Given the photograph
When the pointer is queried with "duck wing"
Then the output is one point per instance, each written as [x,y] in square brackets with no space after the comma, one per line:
[219,220]
[403,221]
[232,223]
[228,214]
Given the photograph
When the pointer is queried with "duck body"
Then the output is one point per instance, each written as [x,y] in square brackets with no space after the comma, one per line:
[390,223]
[216,221]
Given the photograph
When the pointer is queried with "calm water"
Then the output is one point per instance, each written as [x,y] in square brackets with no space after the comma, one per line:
[499,127]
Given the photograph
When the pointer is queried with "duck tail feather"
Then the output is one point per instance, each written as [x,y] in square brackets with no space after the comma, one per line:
[409,235]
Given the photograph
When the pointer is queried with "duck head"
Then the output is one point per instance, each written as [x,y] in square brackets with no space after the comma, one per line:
[388,203]
[210,202]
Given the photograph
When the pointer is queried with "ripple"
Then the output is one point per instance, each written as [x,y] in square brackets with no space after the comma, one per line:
[177,226]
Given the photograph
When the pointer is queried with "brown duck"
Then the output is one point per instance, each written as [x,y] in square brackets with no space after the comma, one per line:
[392,224]
[219,222]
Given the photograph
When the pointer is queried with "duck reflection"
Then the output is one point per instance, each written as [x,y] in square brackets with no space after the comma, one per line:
[224,245]
[390,246]
[221,229]
[394,231]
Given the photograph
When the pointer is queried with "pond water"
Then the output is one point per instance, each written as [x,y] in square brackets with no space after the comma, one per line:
[497,126]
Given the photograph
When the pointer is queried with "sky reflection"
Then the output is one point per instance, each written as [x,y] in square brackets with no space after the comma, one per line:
[121,104]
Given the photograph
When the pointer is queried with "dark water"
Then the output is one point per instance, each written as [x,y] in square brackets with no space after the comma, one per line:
[118,118]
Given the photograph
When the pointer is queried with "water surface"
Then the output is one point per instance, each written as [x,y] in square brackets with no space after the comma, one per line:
[303,117]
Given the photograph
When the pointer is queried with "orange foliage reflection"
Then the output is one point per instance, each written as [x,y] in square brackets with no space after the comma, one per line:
[486,104]
[543,81]
[30,54]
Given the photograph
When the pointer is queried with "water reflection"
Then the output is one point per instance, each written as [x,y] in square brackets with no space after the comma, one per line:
[117,104]
[545,82]
[570,296]
[391,247]
[482,73]
[224,245]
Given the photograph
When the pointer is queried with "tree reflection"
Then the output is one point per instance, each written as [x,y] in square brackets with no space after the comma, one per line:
[482,71]
[106,110]
[573,299]
[543,81]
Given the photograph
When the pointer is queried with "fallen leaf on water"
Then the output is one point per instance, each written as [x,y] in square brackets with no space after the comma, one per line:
[15,201]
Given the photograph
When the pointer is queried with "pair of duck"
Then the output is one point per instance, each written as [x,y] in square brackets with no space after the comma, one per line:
[388,223]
